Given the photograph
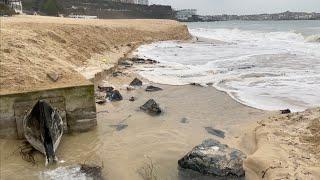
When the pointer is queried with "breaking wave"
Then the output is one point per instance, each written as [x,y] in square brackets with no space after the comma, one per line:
[265,70]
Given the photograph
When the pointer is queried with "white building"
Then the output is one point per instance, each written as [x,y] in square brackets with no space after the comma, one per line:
[16,5]
[185,14]
[142,2]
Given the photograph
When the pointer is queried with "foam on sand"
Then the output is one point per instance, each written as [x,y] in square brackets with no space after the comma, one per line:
[266,70]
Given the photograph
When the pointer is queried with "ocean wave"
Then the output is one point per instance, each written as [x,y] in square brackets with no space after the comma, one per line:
[265,70]
[313,38]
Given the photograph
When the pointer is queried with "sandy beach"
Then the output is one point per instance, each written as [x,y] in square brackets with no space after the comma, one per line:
[127,139]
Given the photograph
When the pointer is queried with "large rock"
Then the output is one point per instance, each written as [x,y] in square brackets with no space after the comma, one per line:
[136,82]
[213,158]
[114,95]
[151,107]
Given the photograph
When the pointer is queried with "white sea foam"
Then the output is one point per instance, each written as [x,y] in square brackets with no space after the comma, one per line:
[266,70]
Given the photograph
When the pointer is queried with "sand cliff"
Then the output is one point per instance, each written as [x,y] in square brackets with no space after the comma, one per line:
[287,147]
[33,46]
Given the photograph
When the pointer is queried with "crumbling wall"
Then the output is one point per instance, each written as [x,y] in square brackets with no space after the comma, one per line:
[76,104]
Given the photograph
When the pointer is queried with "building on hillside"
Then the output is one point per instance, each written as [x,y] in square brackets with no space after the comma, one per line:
[16,5]
[186,14]
[141,2]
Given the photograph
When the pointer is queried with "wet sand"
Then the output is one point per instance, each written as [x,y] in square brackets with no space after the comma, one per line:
[161,139]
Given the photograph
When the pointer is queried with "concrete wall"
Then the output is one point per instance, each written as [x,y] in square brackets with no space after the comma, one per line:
[76,105]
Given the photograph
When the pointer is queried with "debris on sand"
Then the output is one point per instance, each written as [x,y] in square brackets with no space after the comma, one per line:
[114,95]
[136,82]
[132,99]
[119,127]
[213,158]
[215,132]
[101,101]
[184,120]
[53,76]
[105,88]
[285,111]
[125,62]
[143,61]
[196,84]
[151,107]
[153,89]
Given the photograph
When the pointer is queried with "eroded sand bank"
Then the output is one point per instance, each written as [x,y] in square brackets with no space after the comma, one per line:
[32,46]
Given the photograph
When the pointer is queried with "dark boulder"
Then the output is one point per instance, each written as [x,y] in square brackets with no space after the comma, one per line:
[114,95]
[105,89]
[151,107]
[285,111]
[215,132]
[153,89]
[136,82]
[213,158]
[100,101]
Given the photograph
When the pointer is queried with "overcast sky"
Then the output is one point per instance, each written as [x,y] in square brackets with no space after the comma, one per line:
[243,6]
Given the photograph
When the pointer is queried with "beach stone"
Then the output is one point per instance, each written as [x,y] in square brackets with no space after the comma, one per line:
[53,76]
[101,101]
[215,132]
[143,61]
[114,96]
[184,120]
[136,82]
[124,62]
[285,111]
[132,99]
[119,127]
[196,84]
[106,89]
[216,159]
[153,89]
[151,107]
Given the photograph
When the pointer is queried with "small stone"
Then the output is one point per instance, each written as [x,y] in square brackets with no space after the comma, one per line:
[119,127]
[101,101]
[153,89]
[215,132]
[125,63]
[105,89]
[116,73]
[285,111]
[136,82]
[184,120]
[151,107]
[53,76]
[132,99]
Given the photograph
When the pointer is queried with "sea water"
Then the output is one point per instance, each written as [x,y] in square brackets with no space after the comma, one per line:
[269,65]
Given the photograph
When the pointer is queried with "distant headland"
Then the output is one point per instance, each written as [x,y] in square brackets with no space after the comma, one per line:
[190,15]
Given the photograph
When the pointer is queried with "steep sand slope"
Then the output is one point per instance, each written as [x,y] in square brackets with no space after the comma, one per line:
[32,46]
[288,147]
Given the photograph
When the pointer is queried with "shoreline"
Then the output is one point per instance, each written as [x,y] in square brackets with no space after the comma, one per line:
[263,135]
